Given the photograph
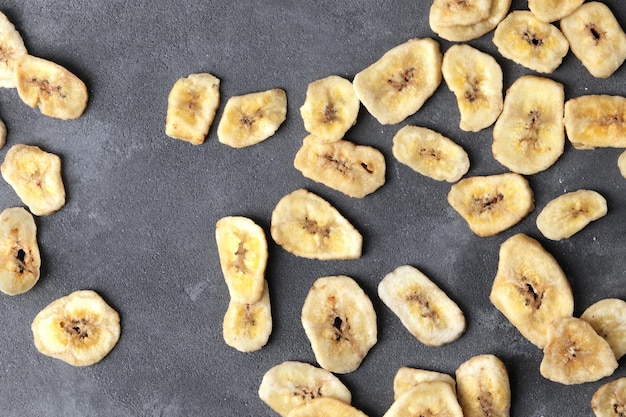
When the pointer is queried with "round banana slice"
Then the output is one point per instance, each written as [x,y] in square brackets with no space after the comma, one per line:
[20,260]
[468,32]
[325,407]
[432,399]
[340,322]
[11,49]
[596,121]
[569,213]
[483,387]
[553,10]
[459,12]
[608,319]
[80,328]
[610,399]
[331,108]
[291,383]
[406,378]
[247,326]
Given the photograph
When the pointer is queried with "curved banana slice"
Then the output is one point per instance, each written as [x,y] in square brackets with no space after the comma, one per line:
[475,78]
[467,32]
[331,108]
[191,106]
[430,153]
[399,83]
[621,164]
[247,326]
[325,407]
[35,175]
[3,134]
[252,118]
[11,49]
[459,12]
[20,260]
[432,399]
[406,378]
[423,308]
[529,135]
[80,328]
[291,383]
[528,41]
[242,249]
[569,213]
[608,319]
[491,204]
[610,399]
[340,322]
[483,387]
[596,121]
[575,354]
[553,10]
[596,38]
[530,288]
[306,225]
[355,170]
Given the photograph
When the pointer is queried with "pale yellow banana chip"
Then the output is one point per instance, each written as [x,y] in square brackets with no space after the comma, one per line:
[331,108]
[291,383]
[610,399]
[492,204]
[406,378]
[459,12]
[553,10]
[20,260]
[35,175]
[306,225]
[252,118]
[467,32]
[242,248]
[423,308]
[482,386]
[475,78]
[529,135]
[355,170]
[340,322]
[325,407]
[575,353]
[247,326]
[528,41]
[621,164]
[569,213]
[430,153]
[80,328]
[432,399]
[596,121]
[608,319]
[530,288]
[596,38]
[11,48]
[191,106]
[399,83]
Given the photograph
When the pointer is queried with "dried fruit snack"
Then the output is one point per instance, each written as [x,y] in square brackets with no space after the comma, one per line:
[483,388]
[11,48]
[433,399]
[608,319]
[248,326]
[406,378]
[20,260]
[596,121]
[610,399]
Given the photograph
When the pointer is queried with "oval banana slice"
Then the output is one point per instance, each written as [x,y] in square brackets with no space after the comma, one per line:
[399,83]
[483,387]
[355,170]
[20,260]
[430,153]
[596,121]
[470,31]
[423,308]
[553,10]
[306,225]
[610,399]
[432,399]
[340,322]
[459,12]
[406,378]
[291,383]
[530,288]
[325,407]
[247,326]
[529,135]
[608,319]
[569,213]
[80,328]
[11,49]
[491,204]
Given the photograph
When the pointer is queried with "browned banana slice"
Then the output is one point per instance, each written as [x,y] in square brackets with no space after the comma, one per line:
[20,260]
[483,387]
[596,121]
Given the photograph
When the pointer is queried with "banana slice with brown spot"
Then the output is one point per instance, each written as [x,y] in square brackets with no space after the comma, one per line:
[553,10]
[483,388]
[20,260]
[468,32]
[459,12]
[596,121]
[608,319]
[11,49]
[432,399]
[406,378]
[325,407]
[610,399]
[248,326]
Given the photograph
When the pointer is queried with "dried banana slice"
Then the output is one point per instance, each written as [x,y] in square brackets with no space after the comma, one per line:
[596,38]
[467,32]
[475,78]
[340,322]
[20,260]
[596,121]
[325,407]
[35,175]
[608,319]
[528,41]
[306,225]
[621,164]
[575,353]
[529,135]
[610,399]
[432,399]
[50,87]
[247,326]
[80,328]
[430,153]
[399,83]
[3,134]
[530,288]
[483,387]
[569,213]
[553,10]
[459,12]
[330,108]
[242,249]
[406,378]
[355,170]
[291,383]
[191,106]
[423,308]
[491,204]
[11,49]
[252,118]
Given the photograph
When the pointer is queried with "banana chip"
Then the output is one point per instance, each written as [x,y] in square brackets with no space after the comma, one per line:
[468,31]
[483,387]
[610,399]
[596,121]
[406,378]
[432,399]
[553,10]
[248,326]
[608,319]
[325,407]
[20,260]
[459,12]
[11,49]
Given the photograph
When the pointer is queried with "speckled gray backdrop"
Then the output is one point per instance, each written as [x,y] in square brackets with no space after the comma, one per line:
[138,226]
